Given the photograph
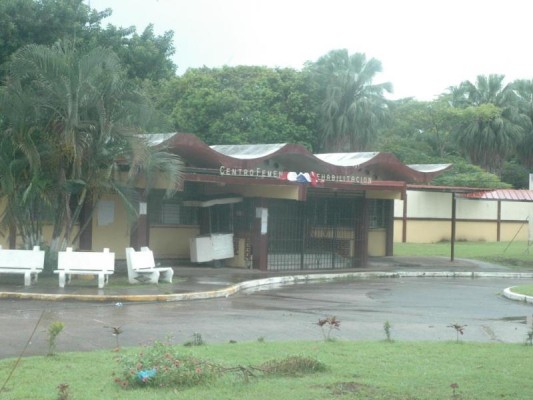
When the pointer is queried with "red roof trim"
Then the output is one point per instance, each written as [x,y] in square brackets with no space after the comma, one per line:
[196,152]
[501,194]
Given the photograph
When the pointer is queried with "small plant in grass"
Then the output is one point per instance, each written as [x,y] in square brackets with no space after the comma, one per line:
[116,331]
[387,326]
[459,329]
[455,394]
[161,365]
[327,325]
[529,337]
[197,340]
[54,330]
[63,391]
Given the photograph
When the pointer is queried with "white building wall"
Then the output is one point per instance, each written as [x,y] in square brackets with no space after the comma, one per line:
[422,204]
[429,213]
[519,211]
[426,205]
[516,210]
[476,209]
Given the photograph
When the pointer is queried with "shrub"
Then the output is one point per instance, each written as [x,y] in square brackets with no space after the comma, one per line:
[161,365]
[292,366]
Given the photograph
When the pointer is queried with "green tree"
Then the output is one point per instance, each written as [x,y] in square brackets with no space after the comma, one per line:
[44,22]
[83,117]
[352,107]
[146,56]
[24,22]
[242,105]
[489,128]
[24,191]
[524,91]
[464,174]
[516,174]
[421,128]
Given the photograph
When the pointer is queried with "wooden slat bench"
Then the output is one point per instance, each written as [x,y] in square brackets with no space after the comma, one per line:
[27,262]
[141,267]
[71,263]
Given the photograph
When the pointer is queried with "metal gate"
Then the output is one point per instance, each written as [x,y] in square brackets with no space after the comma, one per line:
[321,233]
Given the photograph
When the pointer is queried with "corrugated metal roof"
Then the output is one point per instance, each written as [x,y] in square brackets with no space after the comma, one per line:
[429,167]
[295,157]
[156,138]
[501,194]
[248,151]
[347,159]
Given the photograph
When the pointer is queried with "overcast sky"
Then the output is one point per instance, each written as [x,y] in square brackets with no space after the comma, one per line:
[425,46]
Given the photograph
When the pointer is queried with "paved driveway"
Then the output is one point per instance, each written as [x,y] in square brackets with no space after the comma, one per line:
[417,308]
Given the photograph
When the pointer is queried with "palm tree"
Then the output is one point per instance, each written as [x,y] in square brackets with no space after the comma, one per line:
[87,114]
[24,185]
[489,127]
[353,107]
[524,92]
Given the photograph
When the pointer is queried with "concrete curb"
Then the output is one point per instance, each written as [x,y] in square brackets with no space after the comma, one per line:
[508,293]
[267,283]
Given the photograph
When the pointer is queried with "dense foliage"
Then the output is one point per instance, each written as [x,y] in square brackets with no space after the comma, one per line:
[232,105]
[44,22]
[72,103]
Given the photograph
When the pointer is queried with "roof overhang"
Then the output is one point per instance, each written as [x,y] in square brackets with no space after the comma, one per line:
[345,168]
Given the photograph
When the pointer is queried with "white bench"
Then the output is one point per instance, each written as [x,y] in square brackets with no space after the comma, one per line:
[27,262]
[141,267]
[71,263]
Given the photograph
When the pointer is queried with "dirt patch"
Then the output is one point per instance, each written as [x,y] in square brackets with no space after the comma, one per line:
[344,388]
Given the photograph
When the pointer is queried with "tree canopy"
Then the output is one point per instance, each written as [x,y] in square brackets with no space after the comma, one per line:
[44,22]
[335,103]
[243,105]
[490,126]
[352,106]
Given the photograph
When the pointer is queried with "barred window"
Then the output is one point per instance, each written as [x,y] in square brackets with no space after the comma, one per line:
[221,218]
[378,212]
[170,211]
[333,212]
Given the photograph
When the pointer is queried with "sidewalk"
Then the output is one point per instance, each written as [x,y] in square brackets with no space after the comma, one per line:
[194,282]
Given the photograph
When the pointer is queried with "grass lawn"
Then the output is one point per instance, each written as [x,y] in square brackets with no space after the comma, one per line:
[524,289]
[355,370]
[515,255]
[511,254]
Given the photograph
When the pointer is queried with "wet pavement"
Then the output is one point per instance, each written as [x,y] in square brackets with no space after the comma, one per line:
[194,279]
[417,308]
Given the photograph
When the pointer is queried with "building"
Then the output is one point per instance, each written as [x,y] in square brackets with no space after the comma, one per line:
[426,214]
[285,208]
[270,207]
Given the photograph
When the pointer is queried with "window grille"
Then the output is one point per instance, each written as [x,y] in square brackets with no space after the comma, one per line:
[170,211]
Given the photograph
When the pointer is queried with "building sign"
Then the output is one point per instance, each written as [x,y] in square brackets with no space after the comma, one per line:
[299,177]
